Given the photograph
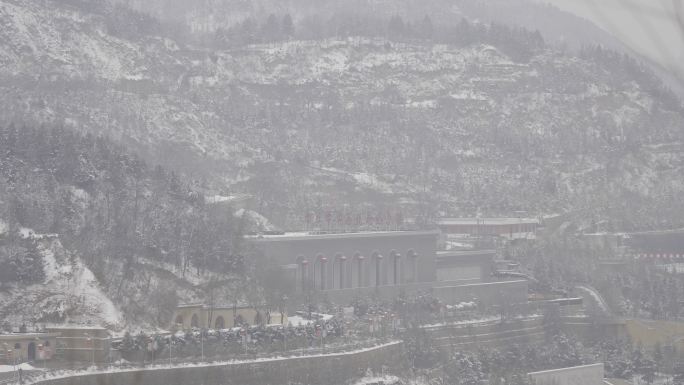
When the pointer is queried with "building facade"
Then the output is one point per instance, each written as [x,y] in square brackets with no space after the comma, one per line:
[79,343]
[352,260]
[225,317]
[341,267]
[22,347]
[465,265]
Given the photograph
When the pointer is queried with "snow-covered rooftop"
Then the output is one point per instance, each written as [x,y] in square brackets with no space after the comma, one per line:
[361,234]
[487,221]
[25,336]
[74,327]
[463,253]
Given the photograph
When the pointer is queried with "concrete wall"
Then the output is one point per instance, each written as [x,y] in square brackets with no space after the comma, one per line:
[487,294]
[577,375]
[588,331]
[329,369]
[473,336]
[474,264]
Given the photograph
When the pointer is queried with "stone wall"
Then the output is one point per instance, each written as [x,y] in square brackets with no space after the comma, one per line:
[325,369]
[588,331]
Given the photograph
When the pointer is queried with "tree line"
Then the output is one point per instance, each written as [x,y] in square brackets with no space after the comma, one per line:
[517,42]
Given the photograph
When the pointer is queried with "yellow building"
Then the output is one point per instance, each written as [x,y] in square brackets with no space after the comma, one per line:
[82,343]
[21,347]
[224,317]
[649,333]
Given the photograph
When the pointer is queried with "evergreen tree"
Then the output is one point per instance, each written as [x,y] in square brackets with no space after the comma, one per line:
[270,30]
[648,370]
[426,29]
[288,28]
[396,28]
[678,374]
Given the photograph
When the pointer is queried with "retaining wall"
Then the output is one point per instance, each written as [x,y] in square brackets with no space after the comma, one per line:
[487,293]
[325,369]
[472,336]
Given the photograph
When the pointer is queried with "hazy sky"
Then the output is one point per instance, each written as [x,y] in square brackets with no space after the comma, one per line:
[647,26]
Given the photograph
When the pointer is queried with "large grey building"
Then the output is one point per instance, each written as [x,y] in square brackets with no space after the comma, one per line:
[353,260]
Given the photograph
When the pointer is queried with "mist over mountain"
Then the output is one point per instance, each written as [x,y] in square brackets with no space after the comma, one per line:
[653,29]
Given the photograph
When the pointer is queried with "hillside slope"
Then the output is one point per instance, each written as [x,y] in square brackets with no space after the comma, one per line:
[123,243]
[485,119]
[68,291]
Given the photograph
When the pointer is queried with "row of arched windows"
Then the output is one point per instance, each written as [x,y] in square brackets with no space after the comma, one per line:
[220,322]
[358,270]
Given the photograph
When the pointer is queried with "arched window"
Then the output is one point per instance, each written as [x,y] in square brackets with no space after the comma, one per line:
[395,259]
[219,323]
[340,260]
[31,351]
[377,258]
[179,320]
[302,269]
[321,261]
[358,260]
[194,321]
[412,261]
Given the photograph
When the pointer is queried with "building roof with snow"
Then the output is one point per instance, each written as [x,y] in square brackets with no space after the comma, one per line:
[303,236]
[487,221]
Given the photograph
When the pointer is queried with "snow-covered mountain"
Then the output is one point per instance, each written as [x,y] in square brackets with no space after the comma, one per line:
[355,119]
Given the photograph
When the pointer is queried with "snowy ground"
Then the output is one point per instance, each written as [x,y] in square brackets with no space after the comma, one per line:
[384,379]
[70,291]
[296,320]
